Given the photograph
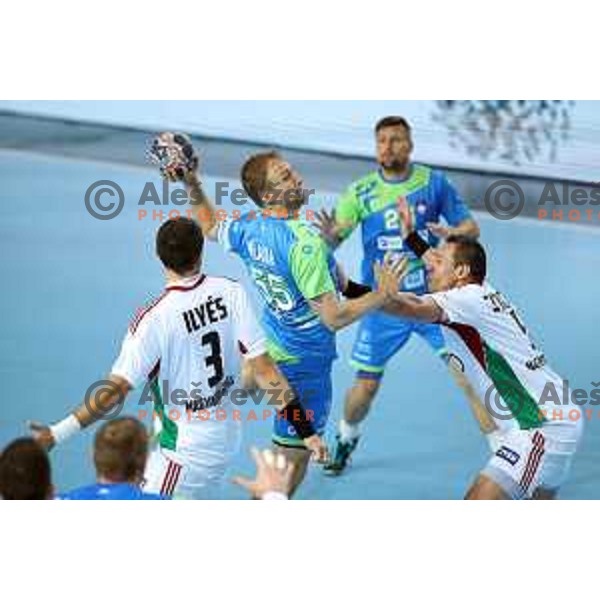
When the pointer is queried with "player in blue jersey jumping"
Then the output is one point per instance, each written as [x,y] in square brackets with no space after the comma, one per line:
[371,202]
[296,275]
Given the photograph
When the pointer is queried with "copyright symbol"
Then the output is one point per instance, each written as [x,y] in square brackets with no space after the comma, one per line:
[504,401]
[107,209]
[504,200]
[98,392]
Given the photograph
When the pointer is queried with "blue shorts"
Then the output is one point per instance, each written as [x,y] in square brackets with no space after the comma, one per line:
[381,335]
[313,384]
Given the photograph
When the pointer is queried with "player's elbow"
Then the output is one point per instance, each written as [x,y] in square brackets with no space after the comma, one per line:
[263,368]
[333,318]
[472,229]
[330,311]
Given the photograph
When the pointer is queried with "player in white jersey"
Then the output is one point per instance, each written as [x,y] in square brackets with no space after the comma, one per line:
[532,444]
[190,341]
[190,337]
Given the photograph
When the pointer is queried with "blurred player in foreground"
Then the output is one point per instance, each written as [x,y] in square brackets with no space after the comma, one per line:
[371,203]
[120,455]
[25,472]
[295,273]
[532,453]
[191,336]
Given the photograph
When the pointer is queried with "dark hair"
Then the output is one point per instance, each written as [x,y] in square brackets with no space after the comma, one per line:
[392,122]
[121,450]
[25,471]
[179,245]
[471,253]
[254,175]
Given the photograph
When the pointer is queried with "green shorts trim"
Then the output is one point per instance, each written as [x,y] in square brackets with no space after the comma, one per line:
[367,368]
[288,442]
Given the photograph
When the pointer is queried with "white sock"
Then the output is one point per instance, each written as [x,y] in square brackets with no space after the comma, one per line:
[349,432]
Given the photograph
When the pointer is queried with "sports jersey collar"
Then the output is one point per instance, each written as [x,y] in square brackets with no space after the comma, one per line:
[395,179]
[185,284]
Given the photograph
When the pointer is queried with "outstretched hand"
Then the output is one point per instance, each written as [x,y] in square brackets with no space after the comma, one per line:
[42,435]
[273,474]
[329,228]
[407,221]
[389,275]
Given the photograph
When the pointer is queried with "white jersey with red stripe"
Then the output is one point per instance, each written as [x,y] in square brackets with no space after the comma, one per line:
[185,348]
[488,341]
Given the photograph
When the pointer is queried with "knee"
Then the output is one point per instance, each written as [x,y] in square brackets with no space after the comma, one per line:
[368,388]
[485,488]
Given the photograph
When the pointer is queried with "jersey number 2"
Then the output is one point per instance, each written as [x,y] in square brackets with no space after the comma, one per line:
[392,219]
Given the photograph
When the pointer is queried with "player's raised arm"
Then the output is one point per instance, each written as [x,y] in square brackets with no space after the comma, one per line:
[337,314]
[455,211]
[202,204]
[178,161]
[311,270]
[399,304]
[468,228]
[331,231]
[337,225]
[411,306]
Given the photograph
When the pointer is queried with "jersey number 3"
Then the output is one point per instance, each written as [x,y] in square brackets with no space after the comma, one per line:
[215,358]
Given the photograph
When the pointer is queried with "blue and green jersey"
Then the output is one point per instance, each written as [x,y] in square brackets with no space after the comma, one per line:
[290,265]
[371,203]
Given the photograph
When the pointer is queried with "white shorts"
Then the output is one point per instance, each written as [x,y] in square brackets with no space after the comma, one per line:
[198,467]
[524,461]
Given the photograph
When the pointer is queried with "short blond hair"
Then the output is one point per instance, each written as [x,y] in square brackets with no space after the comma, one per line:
[121,450]
[254,175]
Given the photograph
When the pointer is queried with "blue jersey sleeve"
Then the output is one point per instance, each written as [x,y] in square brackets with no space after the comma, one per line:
[452,206]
